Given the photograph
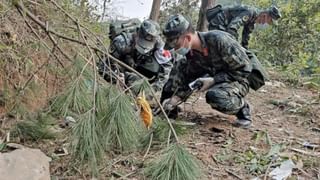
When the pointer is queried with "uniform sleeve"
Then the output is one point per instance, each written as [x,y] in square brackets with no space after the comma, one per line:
[235,58]
[217,22]
[238,21]
[178,79]
[163,76]
[119,49]
[247,30]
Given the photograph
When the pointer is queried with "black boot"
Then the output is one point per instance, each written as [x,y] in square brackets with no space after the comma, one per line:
[244,117]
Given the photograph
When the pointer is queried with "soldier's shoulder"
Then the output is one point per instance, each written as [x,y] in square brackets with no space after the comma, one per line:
[247,9]
[123,37]
[122,40]
[217,34]
[216,38]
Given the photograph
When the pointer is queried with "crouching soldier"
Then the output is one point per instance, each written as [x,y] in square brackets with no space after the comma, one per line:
[217,62]
[143,51]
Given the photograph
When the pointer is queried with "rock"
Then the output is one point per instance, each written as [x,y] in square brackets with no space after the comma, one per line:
[24,164]
[69,120]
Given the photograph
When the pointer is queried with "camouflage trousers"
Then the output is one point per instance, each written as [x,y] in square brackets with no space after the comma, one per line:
[227,97]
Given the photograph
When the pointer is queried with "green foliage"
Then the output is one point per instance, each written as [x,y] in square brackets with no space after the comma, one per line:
[86,141]
[77,97]
[175,163]
[262,135]
[2,146]
[188,8]
[257,162]
[120,124]
[35,127]
[293,43]
[161,131]
[141,85]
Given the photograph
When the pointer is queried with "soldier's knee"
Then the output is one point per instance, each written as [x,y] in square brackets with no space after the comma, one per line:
[216,97]
[222,101]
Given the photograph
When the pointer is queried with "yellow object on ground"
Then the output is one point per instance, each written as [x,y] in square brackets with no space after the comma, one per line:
[145,111]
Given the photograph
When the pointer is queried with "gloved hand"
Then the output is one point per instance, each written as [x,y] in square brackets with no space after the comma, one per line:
[170,103]
[207,82]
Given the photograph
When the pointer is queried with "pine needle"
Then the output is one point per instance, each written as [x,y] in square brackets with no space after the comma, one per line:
[176,163]
[139,86]
[75,100]
[35,127]
[121,127]
[160,131]
[86,141]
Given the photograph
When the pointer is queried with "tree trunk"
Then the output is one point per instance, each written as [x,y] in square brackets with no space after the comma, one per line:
[202,24]
[155,11]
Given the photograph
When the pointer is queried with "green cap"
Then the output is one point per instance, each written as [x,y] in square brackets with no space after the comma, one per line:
[148,34]
[176,26]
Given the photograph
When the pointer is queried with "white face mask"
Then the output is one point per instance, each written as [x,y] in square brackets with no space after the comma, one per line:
[261,26]
[183,50]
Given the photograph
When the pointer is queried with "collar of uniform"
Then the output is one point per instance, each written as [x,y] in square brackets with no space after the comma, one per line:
[203,45]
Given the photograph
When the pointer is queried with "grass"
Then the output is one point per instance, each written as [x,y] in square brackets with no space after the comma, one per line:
[175,163]
[86,142]
[35,127]
[160,131]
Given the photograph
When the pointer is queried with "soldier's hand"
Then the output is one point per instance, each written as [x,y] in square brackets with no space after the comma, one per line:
[170,103]
[207,82]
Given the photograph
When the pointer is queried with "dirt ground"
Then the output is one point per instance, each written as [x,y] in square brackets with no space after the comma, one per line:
[283,116]
[287,116]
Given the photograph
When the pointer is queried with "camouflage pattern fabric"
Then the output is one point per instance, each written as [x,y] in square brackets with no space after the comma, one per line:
[225,60]
[232,19]
[123,48]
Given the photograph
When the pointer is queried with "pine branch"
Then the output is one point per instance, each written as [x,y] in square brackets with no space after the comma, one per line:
[86,143]
[133,70]
[35,127]
[175,163]
[121,126]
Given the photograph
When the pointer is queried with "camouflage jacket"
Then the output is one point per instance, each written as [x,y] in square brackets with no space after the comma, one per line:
[223,58]
[230,19]
[123,48]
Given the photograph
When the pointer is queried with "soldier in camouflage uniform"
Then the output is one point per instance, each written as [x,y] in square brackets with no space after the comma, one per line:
[230,19]
[143,51]
[213,58]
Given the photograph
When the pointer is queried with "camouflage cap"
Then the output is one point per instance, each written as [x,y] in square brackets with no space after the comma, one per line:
[148,34]
[274,12]
[176,26]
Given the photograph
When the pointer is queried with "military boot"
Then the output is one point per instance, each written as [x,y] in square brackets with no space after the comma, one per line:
[244,117]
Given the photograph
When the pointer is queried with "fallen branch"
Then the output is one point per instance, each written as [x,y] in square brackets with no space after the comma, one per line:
[314,154]
[127,175]
[233,174]
[149,146]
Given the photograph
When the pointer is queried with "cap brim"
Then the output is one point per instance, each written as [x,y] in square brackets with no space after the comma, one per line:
[144,46]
